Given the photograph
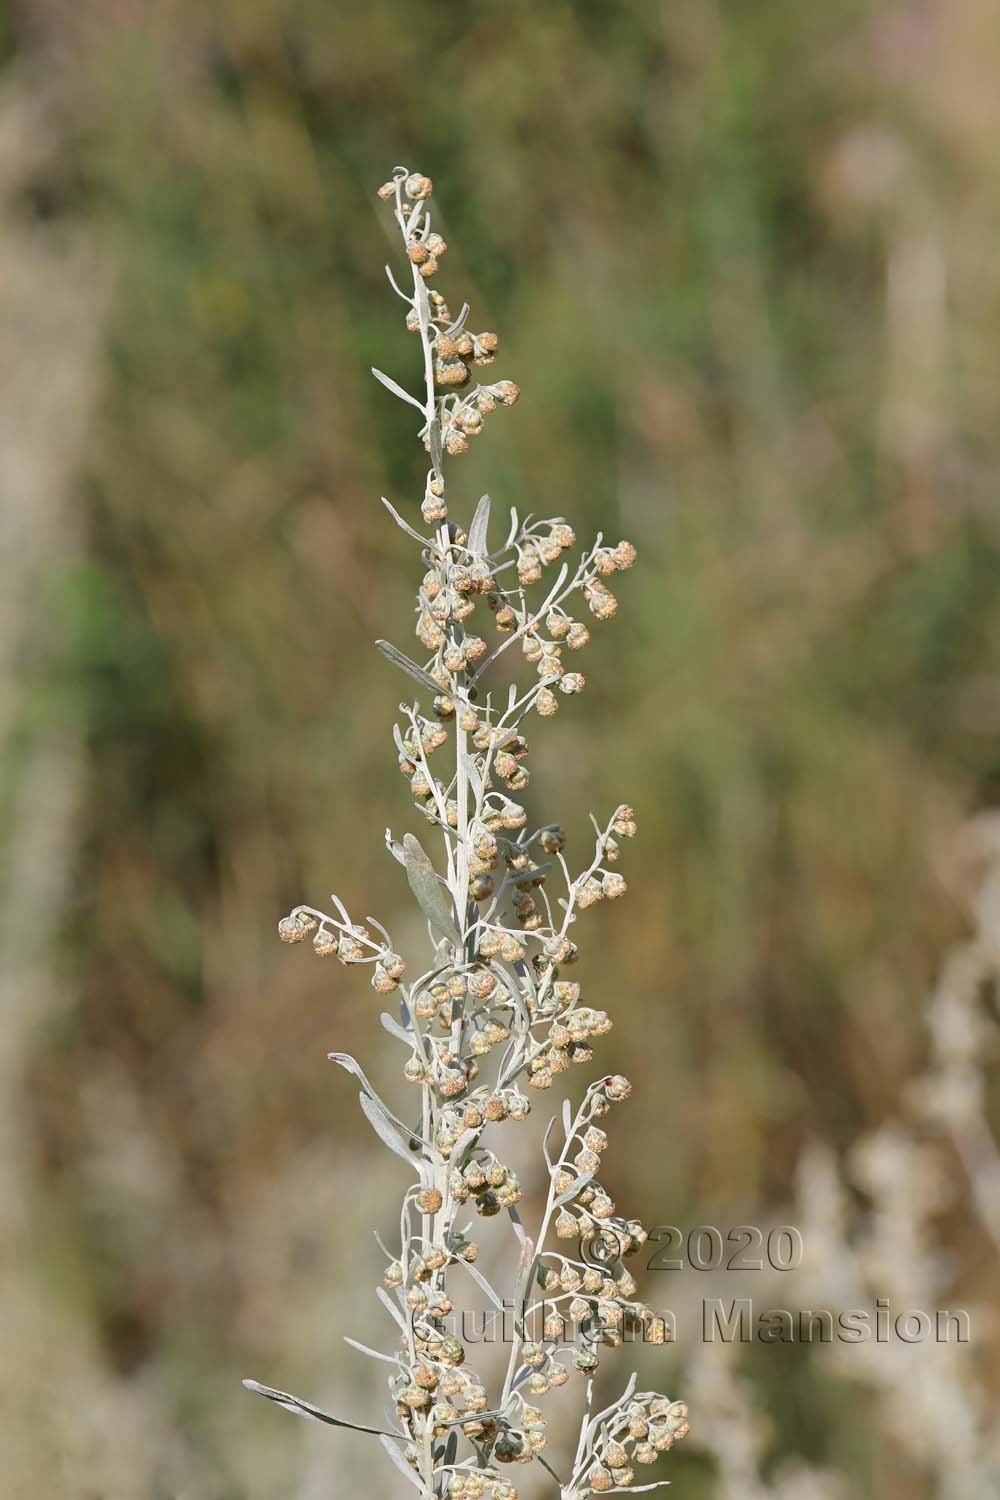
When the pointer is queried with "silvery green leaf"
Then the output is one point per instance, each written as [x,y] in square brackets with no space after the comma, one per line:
[390,1306]
[527,1247]
[483,1284]
[385,1132]
[478,528]
[450,1448]
[389,1359]
[578,1186]
[345,1061]
[545,1142]
[394,1029]
[567,1118]
[398,659]
[555,1476]
[513,528]
[475,779]
[394,847]
[465,1139]
[304,1409]
[397,390]
[399,1461]
[426,887]
[404,525]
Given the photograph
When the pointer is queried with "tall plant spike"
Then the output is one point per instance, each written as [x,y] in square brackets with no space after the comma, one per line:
[494,1010]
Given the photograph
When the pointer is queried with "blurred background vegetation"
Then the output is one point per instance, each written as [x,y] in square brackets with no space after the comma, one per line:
[742,260]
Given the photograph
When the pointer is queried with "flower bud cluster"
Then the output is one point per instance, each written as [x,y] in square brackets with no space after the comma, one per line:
[350,942]
[647,1426]
[592,1299]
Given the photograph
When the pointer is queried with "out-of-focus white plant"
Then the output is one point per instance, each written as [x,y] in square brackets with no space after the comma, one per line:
[738,1434]
[492,1009]
[934,1401]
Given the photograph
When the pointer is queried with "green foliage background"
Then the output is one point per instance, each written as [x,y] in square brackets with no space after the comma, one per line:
[741,258]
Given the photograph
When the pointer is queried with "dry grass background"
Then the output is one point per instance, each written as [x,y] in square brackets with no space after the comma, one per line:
[742,260]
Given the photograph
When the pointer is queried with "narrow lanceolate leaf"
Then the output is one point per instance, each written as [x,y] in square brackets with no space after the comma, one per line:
[427,888]
[475,780]
[546,1465]
[398,659]
[404,525]
[527,1245]
[305,1409]
[545,1142]
[350,1065]
[389,1359]
[386,1132]
[394,1029]
[483,1284]
[479,527]
[390,1306]
[400,1461]
[397,390]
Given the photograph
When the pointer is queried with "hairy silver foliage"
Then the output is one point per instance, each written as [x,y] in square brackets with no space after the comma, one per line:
[492,1010]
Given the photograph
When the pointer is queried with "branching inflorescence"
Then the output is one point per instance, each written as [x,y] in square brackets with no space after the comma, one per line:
[495,1009]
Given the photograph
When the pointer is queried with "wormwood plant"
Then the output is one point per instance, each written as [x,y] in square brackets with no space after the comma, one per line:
[495,1007]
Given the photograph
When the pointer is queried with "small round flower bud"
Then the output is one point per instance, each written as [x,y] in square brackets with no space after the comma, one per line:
[450,372]
[625,555]
[484,348]
[572,682]
[591,891]
[613,886]
[294,928]
[506,392]
[566,1225]
[624,824]
[417,186]
[433,509]
[602,604]
[326,943]
[452,1352]
[577,636]
[429,1200]
[393,1274]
